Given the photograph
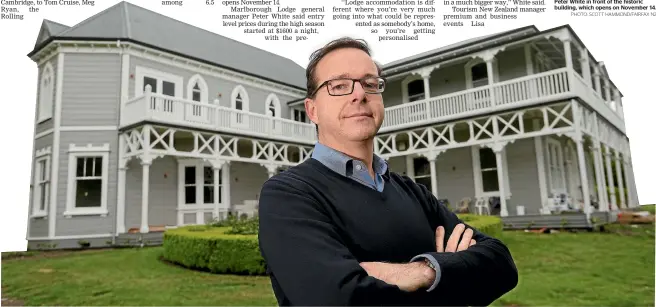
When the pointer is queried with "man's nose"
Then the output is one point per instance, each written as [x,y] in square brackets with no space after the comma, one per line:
[358,92]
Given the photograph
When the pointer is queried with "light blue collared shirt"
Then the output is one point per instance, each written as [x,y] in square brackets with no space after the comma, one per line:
[351,168]
[358,171]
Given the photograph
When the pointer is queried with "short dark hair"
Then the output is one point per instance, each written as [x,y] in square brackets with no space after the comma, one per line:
[316,56]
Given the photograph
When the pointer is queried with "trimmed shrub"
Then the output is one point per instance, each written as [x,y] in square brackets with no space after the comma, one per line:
[212,249]
[231,246]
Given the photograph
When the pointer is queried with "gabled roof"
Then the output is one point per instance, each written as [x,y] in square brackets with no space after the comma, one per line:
[48,29]
[129,22]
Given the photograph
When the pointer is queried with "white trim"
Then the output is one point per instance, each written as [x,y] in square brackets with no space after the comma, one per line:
[43,133]
[41,155]
[88,151]
[54,183]
[202,85]
[276,105]
[404,87]
[88,128]
[244,98]
[109,235]
[478,174]
[140,72]
[45,102]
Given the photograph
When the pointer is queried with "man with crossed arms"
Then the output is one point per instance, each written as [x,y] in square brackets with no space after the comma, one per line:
[341,229]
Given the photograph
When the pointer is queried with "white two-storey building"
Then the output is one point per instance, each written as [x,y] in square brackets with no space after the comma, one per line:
[144,122]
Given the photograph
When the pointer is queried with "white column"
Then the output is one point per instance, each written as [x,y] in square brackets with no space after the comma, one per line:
[489,64]
[120,198]
[567,48]
[607,89]
[583,172]
[620,181]
[597,79]
[611,182]
[603,205]
[432,158]
[271,169]
[498,149]
[225,179]
[629,182]
[585,66]
[145,187]
[217,172]
[539,158]
[410,167]
[426,76]
[578,139]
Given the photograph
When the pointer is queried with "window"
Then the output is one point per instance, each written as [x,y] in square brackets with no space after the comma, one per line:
[422,172]
[486,172]
[46,94]
[87,180]
[416,90]
[489,175]
[161,83]
[198,185]
[197,91]
[240,102]
[273,105]
[556,166]
[41,196]
[479,75]
[299,115]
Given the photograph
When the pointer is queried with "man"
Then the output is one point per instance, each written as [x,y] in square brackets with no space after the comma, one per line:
[341,229]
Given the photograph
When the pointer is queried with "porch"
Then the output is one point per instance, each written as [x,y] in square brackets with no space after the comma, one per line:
[170,177]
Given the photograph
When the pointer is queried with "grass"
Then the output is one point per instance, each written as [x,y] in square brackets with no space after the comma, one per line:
[573,269]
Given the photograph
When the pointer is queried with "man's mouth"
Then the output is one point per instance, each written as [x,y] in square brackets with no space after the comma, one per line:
[361,114]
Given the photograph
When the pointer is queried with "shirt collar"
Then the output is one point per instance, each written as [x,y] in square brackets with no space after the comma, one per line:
[341,163]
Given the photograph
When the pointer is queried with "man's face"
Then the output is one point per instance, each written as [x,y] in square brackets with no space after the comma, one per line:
[353,117]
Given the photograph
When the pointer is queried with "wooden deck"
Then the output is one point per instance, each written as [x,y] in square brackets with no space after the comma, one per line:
[559,221]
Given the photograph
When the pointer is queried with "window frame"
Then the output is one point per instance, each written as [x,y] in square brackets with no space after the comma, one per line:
[89,151]
[199,168]
[160,76]
[478,173]
[45,156]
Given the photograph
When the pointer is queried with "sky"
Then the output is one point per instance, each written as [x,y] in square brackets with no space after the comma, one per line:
[621,43]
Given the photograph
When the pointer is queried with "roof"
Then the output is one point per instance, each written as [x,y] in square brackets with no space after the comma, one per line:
[457,45]
[129,22]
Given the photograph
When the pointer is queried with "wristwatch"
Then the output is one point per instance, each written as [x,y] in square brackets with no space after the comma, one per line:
[429,264]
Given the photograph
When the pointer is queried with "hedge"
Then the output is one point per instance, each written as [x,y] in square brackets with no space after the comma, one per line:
[211,249]
[218,250]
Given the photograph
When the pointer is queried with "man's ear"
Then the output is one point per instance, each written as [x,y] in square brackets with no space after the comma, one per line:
[311,110]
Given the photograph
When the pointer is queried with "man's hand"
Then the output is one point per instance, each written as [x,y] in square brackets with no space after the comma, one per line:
[452,245]
[408,277]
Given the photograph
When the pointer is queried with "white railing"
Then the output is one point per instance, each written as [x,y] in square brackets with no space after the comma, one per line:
[503,95]
[181,112]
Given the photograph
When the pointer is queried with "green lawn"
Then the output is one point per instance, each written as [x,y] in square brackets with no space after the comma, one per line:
[573,269]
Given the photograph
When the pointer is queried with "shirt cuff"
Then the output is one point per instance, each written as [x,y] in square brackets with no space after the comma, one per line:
[436,265]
